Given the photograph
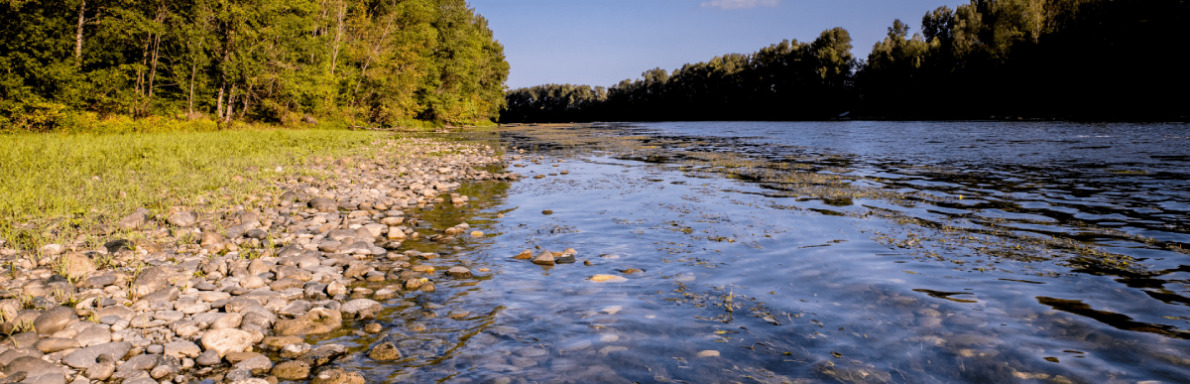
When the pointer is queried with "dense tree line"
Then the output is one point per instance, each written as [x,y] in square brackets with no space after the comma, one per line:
[379,62]
[1083,59]
[1072,59]
[789,80]
[555,102]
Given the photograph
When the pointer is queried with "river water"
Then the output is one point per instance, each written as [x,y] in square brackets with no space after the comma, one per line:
[852,252]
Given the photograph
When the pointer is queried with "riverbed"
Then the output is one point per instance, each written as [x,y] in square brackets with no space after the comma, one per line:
[854,252]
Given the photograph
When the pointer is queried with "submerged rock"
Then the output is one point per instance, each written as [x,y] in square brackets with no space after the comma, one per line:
[384,351]
[608,279]
[544,258]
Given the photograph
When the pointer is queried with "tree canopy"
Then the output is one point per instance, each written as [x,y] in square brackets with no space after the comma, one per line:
[378,62]
[1069,59]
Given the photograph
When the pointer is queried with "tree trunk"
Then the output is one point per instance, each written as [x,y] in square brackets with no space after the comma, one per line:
[153,68]
[223,75]
[156,50]
[244,108]
[231,97]
[193,74]
[338,36]
[219,102]
[139,98]
[78,35]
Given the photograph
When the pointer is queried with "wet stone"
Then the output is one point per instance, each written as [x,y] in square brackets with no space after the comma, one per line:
[384,352]
[324,355]
[274,343]
[601,278]
[295,350]
[361,308]
[337,376]
[458,272]
[544,258]
[291,370]
[317,320]
[257,364]
[238,374]
[384,294]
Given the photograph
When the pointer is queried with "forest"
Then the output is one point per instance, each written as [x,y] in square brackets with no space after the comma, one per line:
[997,59]
[373,63]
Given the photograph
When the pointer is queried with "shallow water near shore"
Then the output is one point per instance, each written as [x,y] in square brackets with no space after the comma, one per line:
[854,252]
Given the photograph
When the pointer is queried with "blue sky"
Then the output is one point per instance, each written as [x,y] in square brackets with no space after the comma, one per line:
[600,42]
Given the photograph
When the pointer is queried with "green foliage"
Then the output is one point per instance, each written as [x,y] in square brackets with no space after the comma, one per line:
[1068,59]
[272,61]
[789,80]
[554,102]
[1074,59]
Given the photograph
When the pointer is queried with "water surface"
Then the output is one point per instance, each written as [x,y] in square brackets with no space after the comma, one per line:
[854,252]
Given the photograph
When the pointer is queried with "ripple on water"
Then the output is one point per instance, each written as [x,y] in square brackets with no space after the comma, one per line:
[953,265]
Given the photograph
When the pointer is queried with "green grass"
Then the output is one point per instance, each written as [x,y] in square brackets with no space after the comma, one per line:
[58,187]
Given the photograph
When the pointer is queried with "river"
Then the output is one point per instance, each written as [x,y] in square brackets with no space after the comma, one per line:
[804,252]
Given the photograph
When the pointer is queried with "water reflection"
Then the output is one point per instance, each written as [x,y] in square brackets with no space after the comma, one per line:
[1019,253]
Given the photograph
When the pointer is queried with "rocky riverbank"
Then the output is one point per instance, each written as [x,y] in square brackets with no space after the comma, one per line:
[226,294]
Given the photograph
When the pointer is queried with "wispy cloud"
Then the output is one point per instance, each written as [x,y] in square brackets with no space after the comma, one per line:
[740,4]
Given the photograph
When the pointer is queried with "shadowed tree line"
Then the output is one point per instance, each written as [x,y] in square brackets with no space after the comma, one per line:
[386,62]
[1064,59]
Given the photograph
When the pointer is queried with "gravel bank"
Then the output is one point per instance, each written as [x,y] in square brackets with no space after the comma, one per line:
[211,293]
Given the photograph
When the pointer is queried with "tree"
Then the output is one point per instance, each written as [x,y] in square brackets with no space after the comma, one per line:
[388,62]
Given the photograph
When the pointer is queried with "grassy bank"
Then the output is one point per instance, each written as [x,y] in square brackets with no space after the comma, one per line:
[59,188]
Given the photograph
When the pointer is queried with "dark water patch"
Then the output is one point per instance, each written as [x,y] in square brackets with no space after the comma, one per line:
[1117,320]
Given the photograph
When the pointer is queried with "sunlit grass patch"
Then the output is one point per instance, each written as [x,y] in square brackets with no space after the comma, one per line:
[67,185]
